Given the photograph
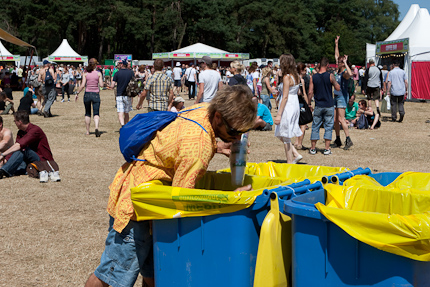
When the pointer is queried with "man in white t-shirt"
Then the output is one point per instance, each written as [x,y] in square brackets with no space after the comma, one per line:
[190,74]
[177,71]
[209,81]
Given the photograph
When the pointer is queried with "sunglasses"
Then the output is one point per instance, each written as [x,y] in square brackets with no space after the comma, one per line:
[231,131]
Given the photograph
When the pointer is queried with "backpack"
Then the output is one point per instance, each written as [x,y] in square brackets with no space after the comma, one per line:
[362,122]
[34,82]
[142,129]
[49,80]
[133,88]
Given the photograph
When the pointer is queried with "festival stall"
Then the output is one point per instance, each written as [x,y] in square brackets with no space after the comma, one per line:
[65,53]
[6,56]
[192,53]
[409,45]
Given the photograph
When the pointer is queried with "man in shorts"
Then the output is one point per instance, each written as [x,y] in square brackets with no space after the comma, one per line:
[172,156]
[177,76]
[373,84]
[341,97]
[123,102]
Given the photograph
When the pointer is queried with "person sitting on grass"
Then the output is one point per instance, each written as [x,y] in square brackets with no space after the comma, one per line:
[351,111]
[31,145]
[27,103]
[372,118]
[178,104]
[264,120]
[5,104]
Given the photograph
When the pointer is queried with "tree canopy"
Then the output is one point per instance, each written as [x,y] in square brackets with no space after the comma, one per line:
[304,28]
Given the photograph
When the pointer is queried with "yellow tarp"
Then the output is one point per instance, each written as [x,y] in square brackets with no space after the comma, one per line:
[395,218]
[213,193]
[274,249]
[290,173]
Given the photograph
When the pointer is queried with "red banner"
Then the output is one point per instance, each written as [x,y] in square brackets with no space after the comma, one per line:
[231,55]
[392,47]
[181,55]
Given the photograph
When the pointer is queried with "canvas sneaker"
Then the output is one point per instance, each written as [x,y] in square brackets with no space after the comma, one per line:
[327,152]
[313,151]
[43,176]
[54,176]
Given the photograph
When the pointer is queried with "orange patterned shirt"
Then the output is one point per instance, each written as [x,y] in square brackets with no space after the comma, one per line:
[180,154]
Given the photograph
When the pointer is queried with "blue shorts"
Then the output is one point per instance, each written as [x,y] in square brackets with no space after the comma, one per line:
[340,102]
[126,254]
[178,83]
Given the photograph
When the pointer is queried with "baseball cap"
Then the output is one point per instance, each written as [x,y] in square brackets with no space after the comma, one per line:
[46,62]
[124,62]
[179,100]
[206,59]
[353,66]
[178,64]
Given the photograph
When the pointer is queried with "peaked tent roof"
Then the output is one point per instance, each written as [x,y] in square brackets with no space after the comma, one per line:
[406,22]
[418,30]
[4,51]
[65,50]
[199,48]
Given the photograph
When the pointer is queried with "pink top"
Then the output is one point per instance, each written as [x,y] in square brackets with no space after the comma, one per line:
[92,82]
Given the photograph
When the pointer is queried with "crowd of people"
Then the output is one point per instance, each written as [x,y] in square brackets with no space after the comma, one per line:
[227,102]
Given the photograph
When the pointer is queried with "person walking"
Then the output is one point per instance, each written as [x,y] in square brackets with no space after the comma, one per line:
[46,76]
[190,75]
[397,90]
[373,84]
[209,81]
[320,88]
[123,102]
[177,76]
[92,80]
[65,78]
[160,88]
[287,119]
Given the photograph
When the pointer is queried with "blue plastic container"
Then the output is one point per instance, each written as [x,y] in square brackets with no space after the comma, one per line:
[216,250]
[325,255]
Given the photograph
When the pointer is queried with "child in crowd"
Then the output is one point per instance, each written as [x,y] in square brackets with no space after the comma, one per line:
[178,105]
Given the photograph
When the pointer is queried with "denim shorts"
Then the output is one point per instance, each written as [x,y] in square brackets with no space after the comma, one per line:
[94,99]
[322,117]
[266,101]
[126,254]
[340,102]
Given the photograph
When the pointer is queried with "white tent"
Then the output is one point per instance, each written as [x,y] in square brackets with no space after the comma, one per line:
[199,48]
[197,51]
[407,20]
[65,53]
[5,55]
[417,32]
[410,41]
[370,52]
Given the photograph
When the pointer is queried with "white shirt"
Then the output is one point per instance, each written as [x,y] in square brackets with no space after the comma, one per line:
[177,73]
[191,73]
[229,74]
[256,75]
[210,79]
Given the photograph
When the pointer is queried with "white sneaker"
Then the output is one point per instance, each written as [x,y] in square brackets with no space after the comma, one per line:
[62,100]
[327,152]
[43,176]
[297,159]
[54,176]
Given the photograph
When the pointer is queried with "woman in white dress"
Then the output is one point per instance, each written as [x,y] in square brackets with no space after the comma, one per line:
[287,119]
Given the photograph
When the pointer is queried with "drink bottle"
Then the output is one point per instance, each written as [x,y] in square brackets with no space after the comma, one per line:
[239,152]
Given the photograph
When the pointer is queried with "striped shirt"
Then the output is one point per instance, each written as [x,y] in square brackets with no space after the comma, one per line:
[159,85]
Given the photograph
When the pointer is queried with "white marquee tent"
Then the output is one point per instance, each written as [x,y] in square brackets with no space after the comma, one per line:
[410,42]
[5,55]
[65,53]
[197,51]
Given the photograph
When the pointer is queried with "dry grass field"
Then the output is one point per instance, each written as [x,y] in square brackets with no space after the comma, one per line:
[53,234]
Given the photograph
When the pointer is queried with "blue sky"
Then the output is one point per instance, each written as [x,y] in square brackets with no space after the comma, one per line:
[405,4]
